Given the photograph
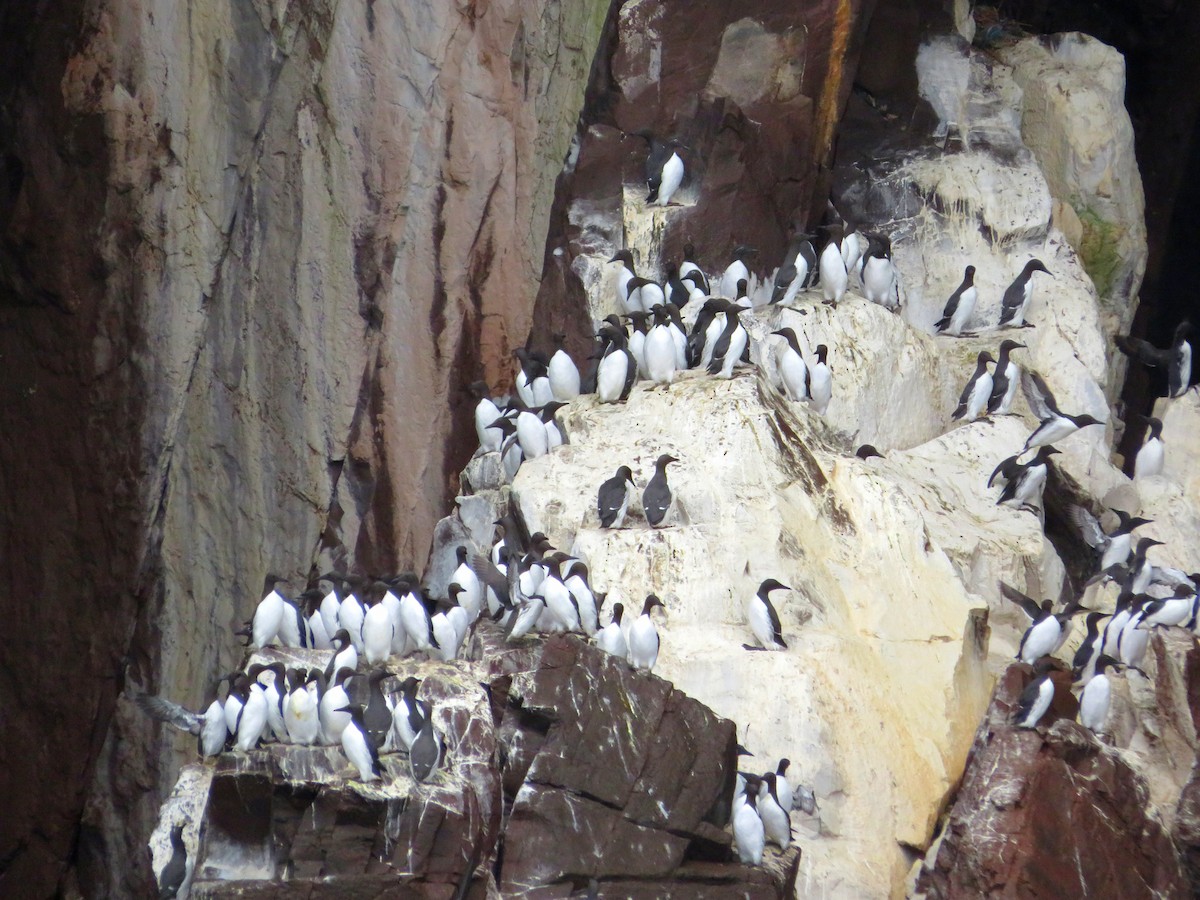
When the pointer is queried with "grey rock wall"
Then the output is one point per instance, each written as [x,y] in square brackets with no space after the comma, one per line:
[251,253]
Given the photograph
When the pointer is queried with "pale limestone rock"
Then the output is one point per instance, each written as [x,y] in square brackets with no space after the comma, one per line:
[1181,441]
[884,662]
[1074,120]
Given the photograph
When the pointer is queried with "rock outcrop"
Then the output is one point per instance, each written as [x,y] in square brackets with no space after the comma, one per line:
[1051,812]
[544,739]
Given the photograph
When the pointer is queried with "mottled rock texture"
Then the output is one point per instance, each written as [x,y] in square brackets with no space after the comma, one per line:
[1051,812]
[251,252]
[562,765]
[753,91]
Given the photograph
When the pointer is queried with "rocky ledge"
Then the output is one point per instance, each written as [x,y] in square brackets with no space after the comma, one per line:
[542,738]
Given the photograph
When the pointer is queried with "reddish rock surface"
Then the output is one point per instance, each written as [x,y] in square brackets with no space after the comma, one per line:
[1049,813]
[754,92]
[568,767]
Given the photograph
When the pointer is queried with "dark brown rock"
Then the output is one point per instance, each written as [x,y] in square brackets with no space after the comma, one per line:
[1051,812]
[604,773]
[754,94]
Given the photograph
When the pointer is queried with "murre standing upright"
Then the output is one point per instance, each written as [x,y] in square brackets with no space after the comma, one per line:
[1016,298]
[657,498]
[820,381]
[624,276]
[959,307]
[793,371]
[1005,379]
[1037,696]
[612,501]
[879,280]
[736,271]
[562,371]
[689,268]
[664,168]
[975,395]
[793,271]
[834,275]
[764,620]
[486,412]
[617,370]
[1024,481]
[734,339]
[643,637]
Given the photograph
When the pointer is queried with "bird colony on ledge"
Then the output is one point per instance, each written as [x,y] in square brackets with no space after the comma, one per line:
[689,326]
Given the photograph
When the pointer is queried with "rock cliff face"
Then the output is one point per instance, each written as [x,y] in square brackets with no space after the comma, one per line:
[251,254]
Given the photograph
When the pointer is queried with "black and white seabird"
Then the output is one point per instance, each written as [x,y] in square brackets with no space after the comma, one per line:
[866,451]
[1054,424]
[960,306]
[209,726]
[734,339]
[1024,481]
[798,259]
[777,826]
[344,655]
[377,714]
[749,836]
[612,501]
[645,294]
[611,638]
[378,627]
[269,614]
[820,381]
[332,719]
[643,637]
[1016,298]
[689,268]
[660,352]
[486,412]
[1114,546]
[361,753]
[626,274]
[1150,456]
[1083,664]
[562,372]
[1096,696]
[301,710]
[880,284]
[618,368]
[763,619]
[407,716]
[664,168]
[975,395]
[171,878]
[1036,698]
[425,755]
[252,720]
[1045,630]
[657,498]
[793,371]
[834,275]
[783,790]
[1177,358]
[1006,377]
[736,271]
